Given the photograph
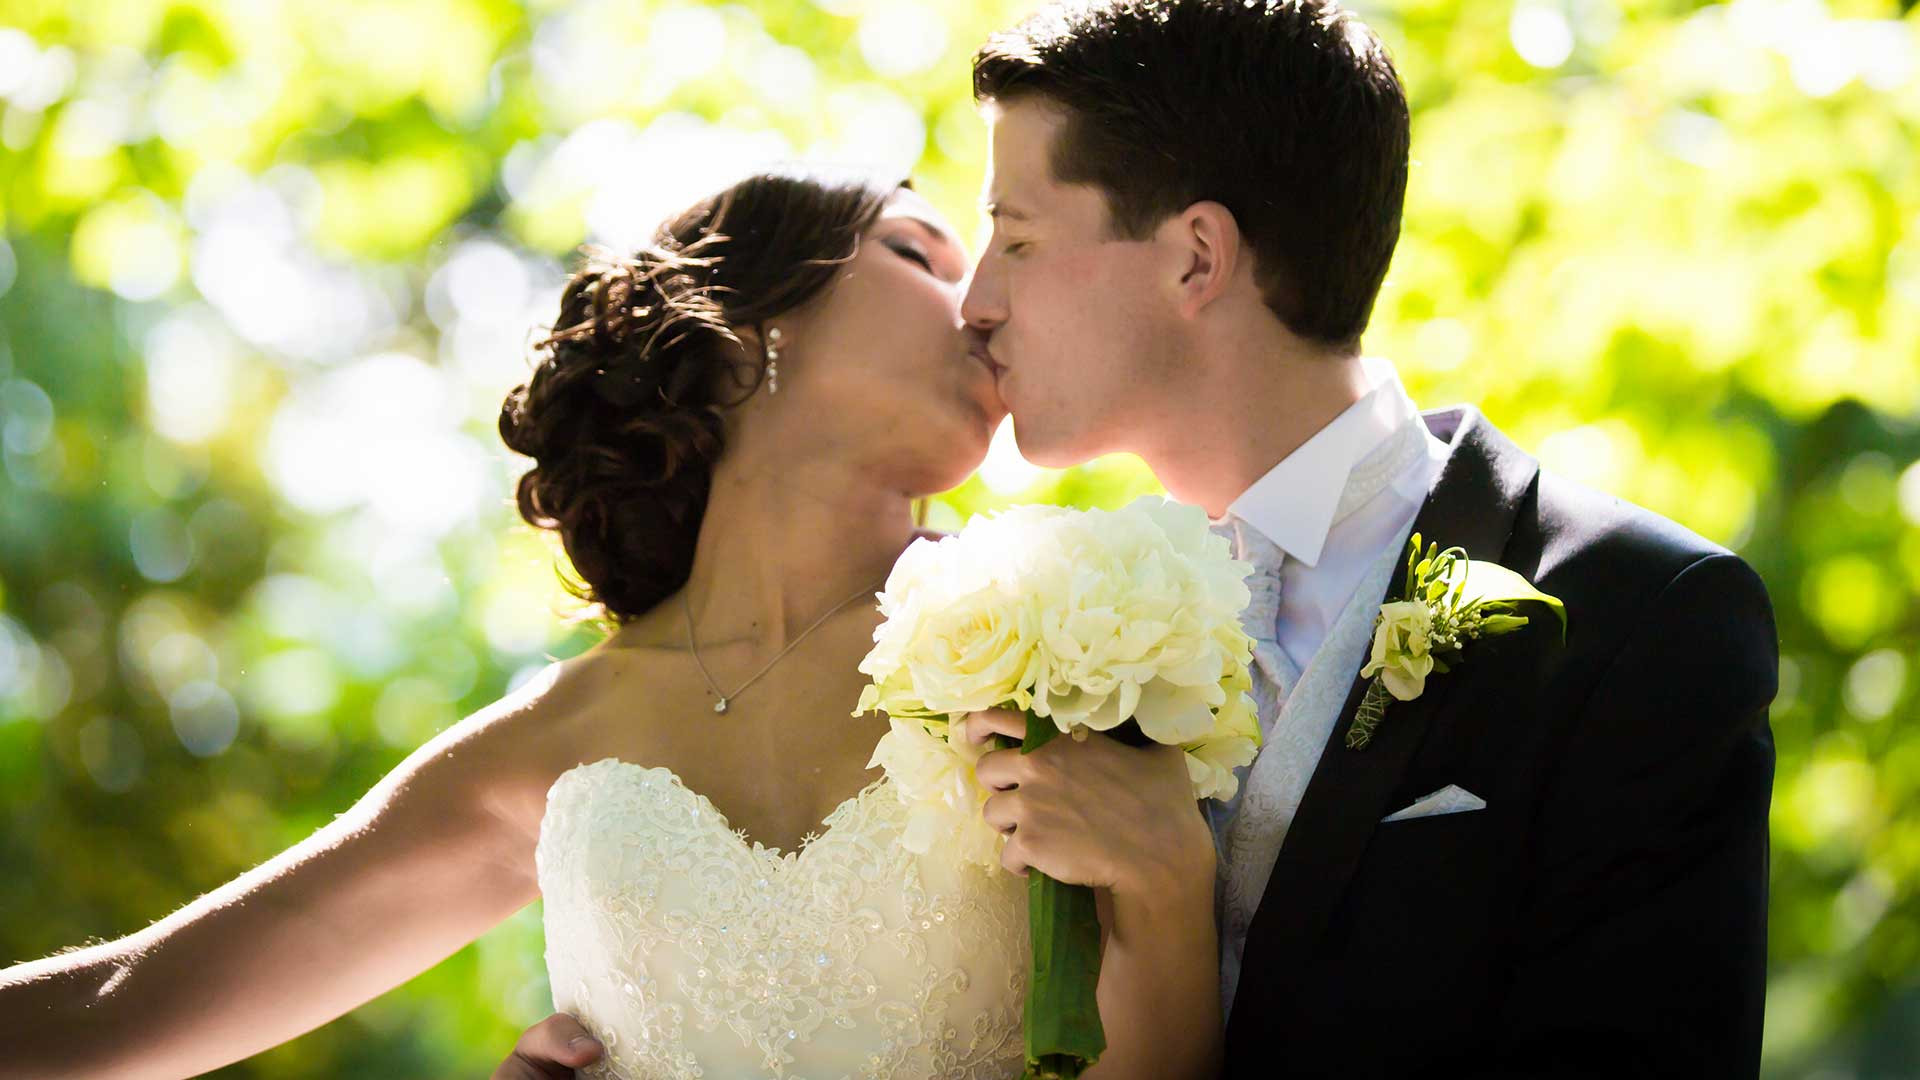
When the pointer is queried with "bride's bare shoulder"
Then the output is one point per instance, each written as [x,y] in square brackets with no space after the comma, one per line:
[548,710]
[518,745]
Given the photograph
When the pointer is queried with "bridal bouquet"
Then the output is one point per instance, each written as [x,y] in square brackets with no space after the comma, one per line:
[1085,620]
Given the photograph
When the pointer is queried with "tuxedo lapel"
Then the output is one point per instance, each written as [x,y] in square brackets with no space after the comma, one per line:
[1472,505]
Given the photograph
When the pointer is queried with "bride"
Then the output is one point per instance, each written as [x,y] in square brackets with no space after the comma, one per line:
[728,429]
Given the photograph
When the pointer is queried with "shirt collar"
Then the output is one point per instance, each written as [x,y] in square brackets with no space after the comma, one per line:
[1293,504]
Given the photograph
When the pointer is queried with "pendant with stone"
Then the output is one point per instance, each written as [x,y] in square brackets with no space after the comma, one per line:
[720,706]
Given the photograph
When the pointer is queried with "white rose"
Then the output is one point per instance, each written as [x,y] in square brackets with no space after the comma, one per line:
[976,652]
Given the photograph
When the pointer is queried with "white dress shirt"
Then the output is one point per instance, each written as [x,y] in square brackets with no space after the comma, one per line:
[1323,564]
[1293,506]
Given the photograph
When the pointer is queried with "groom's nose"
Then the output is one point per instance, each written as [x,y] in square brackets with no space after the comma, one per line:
[984,305]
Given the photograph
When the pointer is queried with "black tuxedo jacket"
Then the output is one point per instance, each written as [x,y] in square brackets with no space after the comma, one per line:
[1605,914]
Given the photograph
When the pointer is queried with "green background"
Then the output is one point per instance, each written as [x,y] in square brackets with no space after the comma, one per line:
[267,270]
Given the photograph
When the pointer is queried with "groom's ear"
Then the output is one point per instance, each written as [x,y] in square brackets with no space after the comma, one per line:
[1207,241]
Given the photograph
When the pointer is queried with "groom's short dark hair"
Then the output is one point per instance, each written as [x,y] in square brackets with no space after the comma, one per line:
[1287,112]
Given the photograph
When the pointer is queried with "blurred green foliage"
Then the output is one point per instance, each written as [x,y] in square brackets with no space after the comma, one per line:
[267,270]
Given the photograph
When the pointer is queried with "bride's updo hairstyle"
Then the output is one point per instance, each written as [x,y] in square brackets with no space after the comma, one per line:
[623,413]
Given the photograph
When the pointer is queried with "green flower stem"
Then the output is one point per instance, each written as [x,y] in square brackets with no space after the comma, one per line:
[1373,708]
[1064,1035]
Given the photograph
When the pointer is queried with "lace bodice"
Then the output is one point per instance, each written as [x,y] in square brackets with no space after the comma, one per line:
[691,953]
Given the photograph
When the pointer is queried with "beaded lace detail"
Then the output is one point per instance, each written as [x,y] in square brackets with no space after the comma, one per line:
[691,952]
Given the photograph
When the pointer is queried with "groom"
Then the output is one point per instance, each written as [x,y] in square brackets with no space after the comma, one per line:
[1553,861]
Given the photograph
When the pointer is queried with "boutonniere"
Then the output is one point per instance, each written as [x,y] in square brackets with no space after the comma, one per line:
[1449,600]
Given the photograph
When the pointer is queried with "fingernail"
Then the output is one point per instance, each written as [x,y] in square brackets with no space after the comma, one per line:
[583,1042]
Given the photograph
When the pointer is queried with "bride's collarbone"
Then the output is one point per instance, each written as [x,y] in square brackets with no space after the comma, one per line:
[783,756]
[771,779]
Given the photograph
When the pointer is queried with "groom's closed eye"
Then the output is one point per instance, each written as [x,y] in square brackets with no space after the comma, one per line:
[1014,247]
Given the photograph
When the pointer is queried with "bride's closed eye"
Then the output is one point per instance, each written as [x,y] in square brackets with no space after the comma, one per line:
[913,254]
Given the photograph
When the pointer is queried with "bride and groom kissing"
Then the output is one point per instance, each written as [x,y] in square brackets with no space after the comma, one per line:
[1553,861]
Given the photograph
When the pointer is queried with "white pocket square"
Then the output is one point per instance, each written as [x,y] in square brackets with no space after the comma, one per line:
[1451,799]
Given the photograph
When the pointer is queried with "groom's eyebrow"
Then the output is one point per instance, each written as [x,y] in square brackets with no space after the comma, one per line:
[997,211]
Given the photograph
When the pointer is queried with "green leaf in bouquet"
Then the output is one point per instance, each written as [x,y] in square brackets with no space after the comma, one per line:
[1063,1030]
[1064,1034]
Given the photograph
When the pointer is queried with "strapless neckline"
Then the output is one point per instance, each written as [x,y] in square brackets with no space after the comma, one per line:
[746,843]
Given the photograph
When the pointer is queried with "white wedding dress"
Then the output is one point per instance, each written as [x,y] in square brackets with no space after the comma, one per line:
[690,952]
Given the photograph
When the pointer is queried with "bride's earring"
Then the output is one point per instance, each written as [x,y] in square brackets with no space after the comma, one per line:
[773,360]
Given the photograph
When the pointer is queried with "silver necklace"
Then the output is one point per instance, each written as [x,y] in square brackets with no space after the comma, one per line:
[721,705]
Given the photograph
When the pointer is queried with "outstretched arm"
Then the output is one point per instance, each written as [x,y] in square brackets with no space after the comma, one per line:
[1642,945]
[424,863]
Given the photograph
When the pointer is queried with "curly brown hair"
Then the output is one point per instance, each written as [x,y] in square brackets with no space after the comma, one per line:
[623,415]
